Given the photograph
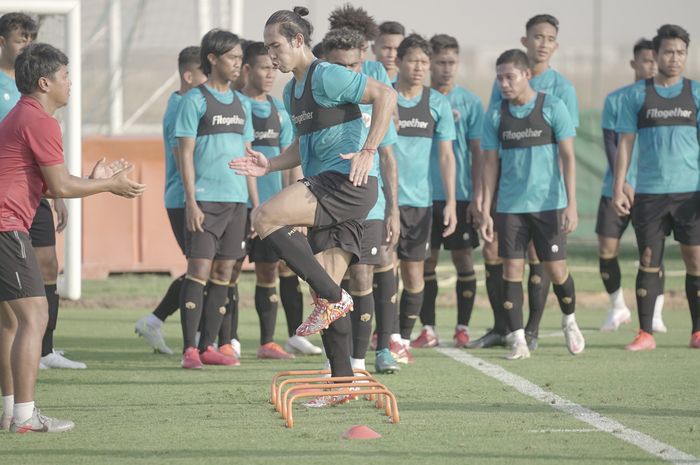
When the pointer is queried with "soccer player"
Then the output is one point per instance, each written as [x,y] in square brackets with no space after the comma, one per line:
[213,124]
[356,19]
[662,113]
[391,33]
[609,225]
[468,115]
[540,42]
[274,132]
[381,228]
[425,118]
[340,183]
[191,75]
[32,165]
[531,133]
[17,30]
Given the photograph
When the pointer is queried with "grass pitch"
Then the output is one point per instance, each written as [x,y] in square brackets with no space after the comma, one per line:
[133,407]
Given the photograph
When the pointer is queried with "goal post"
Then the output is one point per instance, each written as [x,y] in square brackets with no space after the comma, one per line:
[71,286]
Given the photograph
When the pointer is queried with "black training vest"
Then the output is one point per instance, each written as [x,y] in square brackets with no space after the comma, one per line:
[530,131]
[220,118]
[658,111]
[308,116]
[267,130]
[417,121]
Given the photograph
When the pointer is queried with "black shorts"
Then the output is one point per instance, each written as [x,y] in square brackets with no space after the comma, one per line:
[43,229]
[609,223]
[516,230]
[177,224]
[372,238]
[655,216]
[341,210]
[260,251]
[224,235]
[464,237]
[20,276]
[414,243]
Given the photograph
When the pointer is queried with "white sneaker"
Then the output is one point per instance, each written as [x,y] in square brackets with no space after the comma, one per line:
[39,423]
[657,324]
[5,422]
[301,345]
[236,344]
[519,350]
[616,317]
[574,339]
[42,366]
[54,360]
[152,335]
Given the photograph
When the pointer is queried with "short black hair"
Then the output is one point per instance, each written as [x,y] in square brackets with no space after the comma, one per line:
[392,27]
[642,44]
[354,18]
[37,61]
[514,56]
[12,21]
[218,42]
[292,22]
[188,58]
[413,41]
[318,50]
[442,42]
[252,52]
[670,31]
[343,39]
[539,19]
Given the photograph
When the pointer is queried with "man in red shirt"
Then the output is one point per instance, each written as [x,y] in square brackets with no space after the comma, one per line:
[32,166]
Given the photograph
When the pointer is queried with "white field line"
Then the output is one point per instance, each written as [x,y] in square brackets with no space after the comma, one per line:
[645,442]
[579,430]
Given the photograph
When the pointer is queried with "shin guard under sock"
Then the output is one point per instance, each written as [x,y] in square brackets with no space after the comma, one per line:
[610,273]
[292,302]
[214,311]
[171,300]
[692,292]
[537,291]
[566,295]
[266,305]
[296,252]
[466,293]
[385,306]
[430,292]
[232,307]
[494,290]
[409,309]
[647,286]
[191,303]
[513,303]
[336,342]
[361,319]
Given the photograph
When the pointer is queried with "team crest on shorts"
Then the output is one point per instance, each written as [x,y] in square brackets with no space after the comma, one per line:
[373,251]
[555,248]
[465,236]
[222,310]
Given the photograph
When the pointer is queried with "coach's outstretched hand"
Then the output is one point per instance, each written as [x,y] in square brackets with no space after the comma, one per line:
[125,187]
[253,164]
[104,170]
[360,164]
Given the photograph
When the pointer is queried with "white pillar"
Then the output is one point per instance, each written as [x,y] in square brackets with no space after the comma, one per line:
[236,11]
[73,146]
[203,17]
[116,85]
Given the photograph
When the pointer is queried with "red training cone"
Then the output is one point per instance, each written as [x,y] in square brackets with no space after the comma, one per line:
[361,432]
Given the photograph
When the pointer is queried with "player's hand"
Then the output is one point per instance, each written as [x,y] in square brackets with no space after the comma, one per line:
[621,204]
[569,219]
[474,213]
[104,170]
[61,210]
[392,225]
[486,227]
[360,165]
[194,218]
[125,187]
[253,164]
[449,213]
[629,193]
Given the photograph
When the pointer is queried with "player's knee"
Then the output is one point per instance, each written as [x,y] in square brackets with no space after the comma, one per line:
[646,258]
[462,260]
[361,278]
[262,220]
[265,273]
[490,251]
[512,270]
[221,271]
[558,274]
